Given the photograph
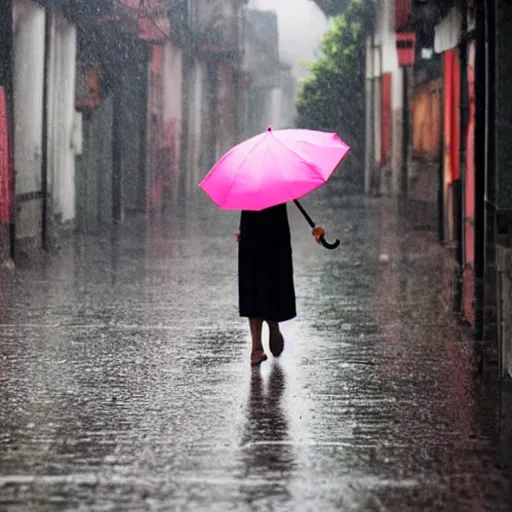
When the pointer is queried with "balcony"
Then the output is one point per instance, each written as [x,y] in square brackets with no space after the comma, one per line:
[147,20]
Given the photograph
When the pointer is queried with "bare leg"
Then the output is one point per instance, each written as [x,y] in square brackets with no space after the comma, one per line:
[257,354]
[276,341]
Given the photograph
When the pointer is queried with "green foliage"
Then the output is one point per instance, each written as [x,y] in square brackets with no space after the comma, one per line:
[332,7]
[332,97]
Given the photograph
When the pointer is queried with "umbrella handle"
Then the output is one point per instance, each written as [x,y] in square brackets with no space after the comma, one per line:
[311,222]
[328,245]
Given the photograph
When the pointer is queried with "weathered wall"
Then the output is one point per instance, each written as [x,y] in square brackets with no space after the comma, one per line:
[383,174]
[503,181]
[29,45]
[132,129]
[172,74]
[94,169]
[504,312]
[61,118]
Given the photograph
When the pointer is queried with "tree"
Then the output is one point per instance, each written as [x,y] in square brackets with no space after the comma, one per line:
[332,7]
[332,98]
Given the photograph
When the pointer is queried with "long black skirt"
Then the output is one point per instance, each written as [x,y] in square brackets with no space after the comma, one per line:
[265,268]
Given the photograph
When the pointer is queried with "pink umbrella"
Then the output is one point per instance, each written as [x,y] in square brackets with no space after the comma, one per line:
[274,168]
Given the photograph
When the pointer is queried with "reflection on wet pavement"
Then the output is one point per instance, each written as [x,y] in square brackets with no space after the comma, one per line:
[126,383]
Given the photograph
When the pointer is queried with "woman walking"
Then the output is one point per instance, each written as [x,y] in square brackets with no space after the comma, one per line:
[265,276]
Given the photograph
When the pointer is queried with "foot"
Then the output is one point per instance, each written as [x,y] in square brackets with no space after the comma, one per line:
[276,341]
[257,357]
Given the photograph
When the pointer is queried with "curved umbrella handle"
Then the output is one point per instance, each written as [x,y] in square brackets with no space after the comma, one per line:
[328,245]
[311,222]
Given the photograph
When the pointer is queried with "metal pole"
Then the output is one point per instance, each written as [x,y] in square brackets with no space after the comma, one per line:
[370,118]
[380,180]
[405,138]
[373,170]
[45,217]
[116,155]
[440,192]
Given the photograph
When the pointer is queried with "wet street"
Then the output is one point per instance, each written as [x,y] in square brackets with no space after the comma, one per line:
[126,384]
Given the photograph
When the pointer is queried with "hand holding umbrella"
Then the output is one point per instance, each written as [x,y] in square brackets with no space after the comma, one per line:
[318,232]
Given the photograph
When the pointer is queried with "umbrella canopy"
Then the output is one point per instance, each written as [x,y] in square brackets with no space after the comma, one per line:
[274,168]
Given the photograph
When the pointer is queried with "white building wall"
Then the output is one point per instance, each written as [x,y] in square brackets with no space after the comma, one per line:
[61,151]
[385,35]
[383,58]
[29,45]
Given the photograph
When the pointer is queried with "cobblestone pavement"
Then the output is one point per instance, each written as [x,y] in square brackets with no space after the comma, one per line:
[126,385]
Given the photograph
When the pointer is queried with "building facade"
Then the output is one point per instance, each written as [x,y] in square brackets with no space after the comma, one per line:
[109,108]
[455,177]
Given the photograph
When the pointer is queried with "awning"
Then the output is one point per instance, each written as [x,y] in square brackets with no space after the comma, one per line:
[448,32]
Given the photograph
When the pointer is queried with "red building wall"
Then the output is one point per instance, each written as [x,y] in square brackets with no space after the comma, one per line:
[385,148]
[5,168]
[451,142]
[469,204]
[451,115]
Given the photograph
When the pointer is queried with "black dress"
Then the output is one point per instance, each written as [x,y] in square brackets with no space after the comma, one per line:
[265,269]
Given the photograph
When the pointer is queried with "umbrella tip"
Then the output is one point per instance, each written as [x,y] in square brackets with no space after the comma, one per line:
[269,129]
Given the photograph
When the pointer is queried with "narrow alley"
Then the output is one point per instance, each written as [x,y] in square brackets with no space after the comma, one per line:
[126,380]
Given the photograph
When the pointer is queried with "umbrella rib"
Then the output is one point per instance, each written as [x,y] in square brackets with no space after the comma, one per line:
[298,156]
[279,168]
[249,153]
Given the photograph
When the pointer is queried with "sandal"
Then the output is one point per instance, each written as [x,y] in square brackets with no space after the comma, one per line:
[257,358]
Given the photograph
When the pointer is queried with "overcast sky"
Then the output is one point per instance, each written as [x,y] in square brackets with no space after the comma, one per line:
[301,27]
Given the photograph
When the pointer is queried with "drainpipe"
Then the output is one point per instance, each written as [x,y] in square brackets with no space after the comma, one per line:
[440,192]
[405,134]
[117,209]
[377,181]
[370,118]
[45,216]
